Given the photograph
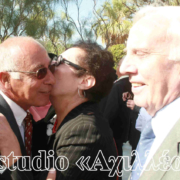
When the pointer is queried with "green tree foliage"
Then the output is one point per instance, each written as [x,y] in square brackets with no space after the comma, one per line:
[50,47]
[118,52]
[40,19]
[36,18]
[59,35]
[114,18]
[113,22]
[26,17]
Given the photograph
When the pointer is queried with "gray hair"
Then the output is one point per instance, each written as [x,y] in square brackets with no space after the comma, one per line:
[171,16]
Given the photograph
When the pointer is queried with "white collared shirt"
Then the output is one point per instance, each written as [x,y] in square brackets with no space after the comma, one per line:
[18,112]
[142,119]
[162,123]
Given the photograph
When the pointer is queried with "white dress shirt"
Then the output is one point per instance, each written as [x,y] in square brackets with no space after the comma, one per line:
[162,123]
[18,112]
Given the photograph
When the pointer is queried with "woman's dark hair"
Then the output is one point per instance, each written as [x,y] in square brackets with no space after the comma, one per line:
[99,63]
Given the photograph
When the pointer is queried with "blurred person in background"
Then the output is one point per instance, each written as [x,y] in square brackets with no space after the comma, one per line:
[116,111]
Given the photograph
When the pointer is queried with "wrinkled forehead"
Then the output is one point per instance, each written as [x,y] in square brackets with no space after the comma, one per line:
[31,57]
[148,31]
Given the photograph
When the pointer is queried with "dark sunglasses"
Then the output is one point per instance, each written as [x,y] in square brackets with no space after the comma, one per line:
[40,73]
[59,60]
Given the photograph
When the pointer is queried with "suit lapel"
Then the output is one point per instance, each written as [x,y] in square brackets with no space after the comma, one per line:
[165,155]
[51,140]
[50,114]
[7,112]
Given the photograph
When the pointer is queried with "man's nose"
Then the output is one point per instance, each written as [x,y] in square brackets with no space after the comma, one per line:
[50,79]
[127,67]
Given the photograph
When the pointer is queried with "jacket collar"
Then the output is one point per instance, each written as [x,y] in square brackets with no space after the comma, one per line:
[165,156]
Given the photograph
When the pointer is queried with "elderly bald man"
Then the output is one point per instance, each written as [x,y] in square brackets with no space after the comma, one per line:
[25,80]
[153,65]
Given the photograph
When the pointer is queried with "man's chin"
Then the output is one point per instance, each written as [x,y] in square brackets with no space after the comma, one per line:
[138,101]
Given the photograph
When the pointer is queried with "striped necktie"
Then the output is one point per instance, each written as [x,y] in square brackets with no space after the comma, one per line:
[28,133]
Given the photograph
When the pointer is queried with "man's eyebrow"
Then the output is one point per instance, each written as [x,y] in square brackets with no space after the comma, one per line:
[36,67]
[141,49]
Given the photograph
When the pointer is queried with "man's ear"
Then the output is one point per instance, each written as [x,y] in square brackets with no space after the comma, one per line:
[87,82]
[5,80]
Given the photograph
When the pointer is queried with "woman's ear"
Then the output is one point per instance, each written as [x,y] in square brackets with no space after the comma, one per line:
[87,82]
[5,80]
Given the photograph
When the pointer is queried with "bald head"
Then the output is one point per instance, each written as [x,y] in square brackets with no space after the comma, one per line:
[19,41]
[14,52]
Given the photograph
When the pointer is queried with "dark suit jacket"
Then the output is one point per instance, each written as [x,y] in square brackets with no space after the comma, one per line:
[116,111]
[82,133]
[38,141]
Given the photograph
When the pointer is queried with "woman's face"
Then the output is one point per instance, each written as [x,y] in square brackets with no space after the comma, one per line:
[66,80]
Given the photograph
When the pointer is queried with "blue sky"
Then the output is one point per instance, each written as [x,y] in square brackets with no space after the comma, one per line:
[86,7]
[86,10]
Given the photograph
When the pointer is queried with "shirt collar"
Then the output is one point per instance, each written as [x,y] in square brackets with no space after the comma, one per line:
[122,77]
[18,112]
[166,118]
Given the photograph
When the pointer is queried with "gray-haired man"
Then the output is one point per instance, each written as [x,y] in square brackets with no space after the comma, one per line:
[153,65]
